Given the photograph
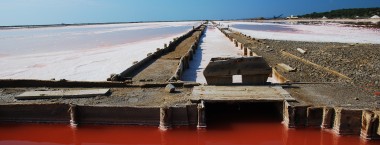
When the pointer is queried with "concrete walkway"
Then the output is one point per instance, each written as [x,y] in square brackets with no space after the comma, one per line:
[213,44]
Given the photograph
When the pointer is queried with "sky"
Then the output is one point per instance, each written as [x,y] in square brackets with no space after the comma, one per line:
[35,12]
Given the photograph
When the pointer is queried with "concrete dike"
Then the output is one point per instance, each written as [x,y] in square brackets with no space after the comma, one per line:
[140,95]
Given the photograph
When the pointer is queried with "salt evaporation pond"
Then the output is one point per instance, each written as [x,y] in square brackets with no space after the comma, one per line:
[88,53]
[312,33]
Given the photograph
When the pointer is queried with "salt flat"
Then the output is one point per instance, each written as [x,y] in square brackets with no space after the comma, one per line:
[213,44]
[311,33]
[84,53]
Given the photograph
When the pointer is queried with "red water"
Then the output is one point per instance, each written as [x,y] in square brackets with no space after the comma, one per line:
[255,134]
[226,126]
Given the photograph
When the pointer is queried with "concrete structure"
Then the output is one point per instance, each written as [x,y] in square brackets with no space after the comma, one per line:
[254,70]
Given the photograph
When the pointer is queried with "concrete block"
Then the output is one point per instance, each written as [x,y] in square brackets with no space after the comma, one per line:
[254,70]
[347,121]
[314,116]
[370,124]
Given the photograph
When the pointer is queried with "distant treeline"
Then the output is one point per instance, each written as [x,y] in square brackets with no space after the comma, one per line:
[345,13]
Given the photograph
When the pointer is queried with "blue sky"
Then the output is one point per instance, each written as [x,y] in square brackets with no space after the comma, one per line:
[27,12]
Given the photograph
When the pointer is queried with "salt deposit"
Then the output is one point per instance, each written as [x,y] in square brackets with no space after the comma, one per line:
[311,33]
[45,53]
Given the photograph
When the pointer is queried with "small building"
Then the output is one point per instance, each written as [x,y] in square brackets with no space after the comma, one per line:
[375,17]
[324,17]
[292,17]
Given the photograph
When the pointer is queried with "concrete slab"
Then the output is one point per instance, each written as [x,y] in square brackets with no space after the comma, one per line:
[30,95]
[240,93]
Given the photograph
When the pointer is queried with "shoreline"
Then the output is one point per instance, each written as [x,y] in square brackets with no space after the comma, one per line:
[80,24]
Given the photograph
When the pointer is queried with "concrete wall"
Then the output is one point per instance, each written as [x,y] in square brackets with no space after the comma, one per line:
[82,114]
[40,113]
[343,121]
[184,62]
[139,65]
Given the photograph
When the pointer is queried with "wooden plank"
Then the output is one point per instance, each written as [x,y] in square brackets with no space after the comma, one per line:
[30,95]
[286,67]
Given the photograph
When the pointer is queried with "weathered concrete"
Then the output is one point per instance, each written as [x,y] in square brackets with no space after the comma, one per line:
[165,117]
[295,114]
[328,117]
[118,115]
[184,114]
[62,94]
[41,113]
[240,93]
[254,70]
[347,121]
[370,124]
[314,116]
